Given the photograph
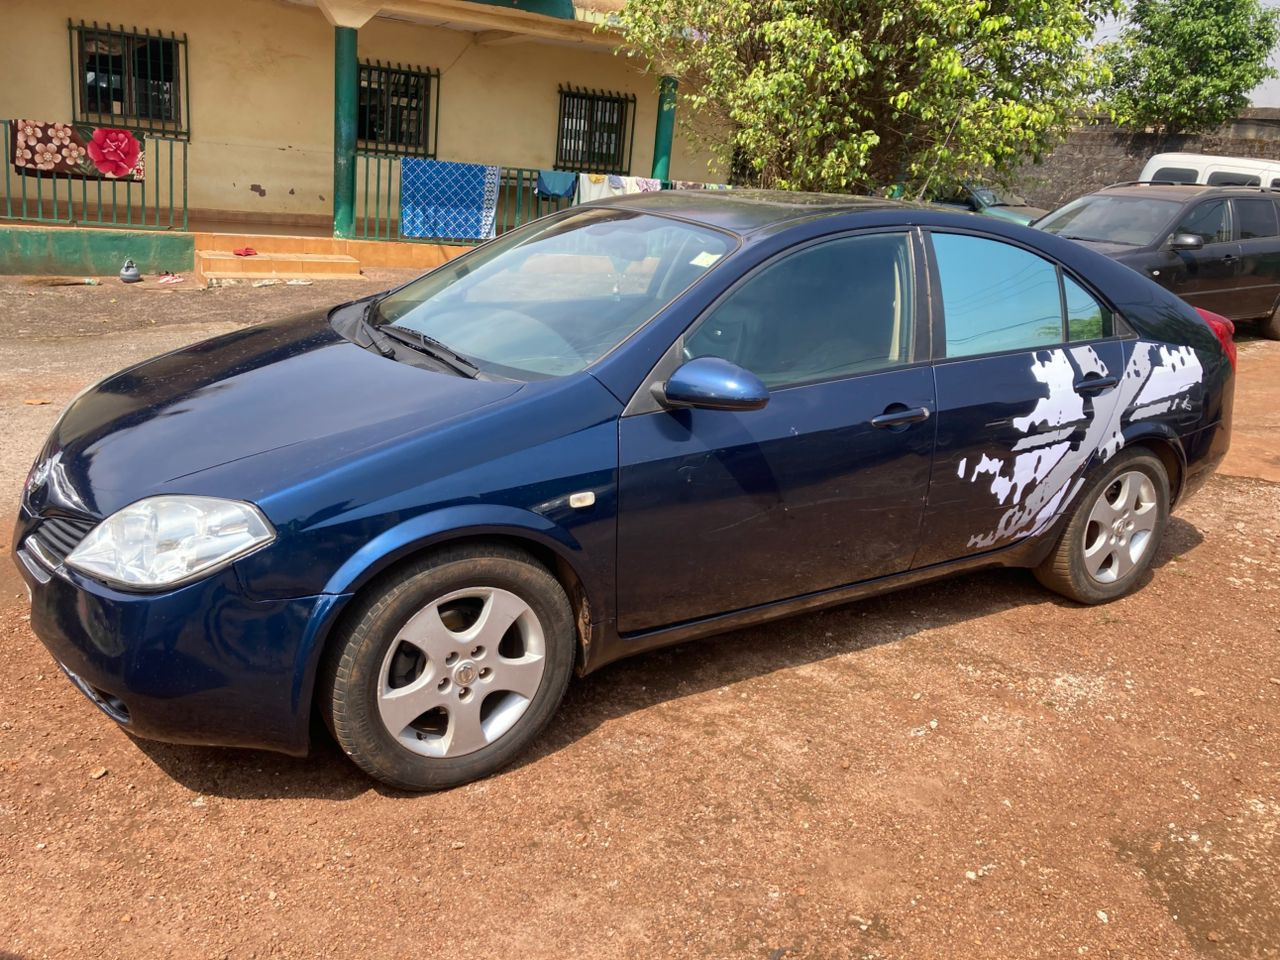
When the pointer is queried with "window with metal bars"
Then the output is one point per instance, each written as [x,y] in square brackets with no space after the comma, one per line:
[130,78]
[596,131]
[399,109]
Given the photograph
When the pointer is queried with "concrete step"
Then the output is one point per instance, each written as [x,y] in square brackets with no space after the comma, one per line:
[266,243]
[284,265]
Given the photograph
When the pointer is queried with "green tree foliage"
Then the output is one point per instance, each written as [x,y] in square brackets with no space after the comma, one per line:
[848,95]
[1182,66]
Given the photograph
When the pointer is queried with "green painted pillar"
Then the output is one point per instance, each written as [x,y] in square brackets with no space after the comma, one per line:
[666,129]
[345,79]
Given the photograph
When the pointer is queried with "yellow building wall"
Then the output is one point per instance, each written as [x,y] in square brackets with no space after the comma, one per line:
[261,93]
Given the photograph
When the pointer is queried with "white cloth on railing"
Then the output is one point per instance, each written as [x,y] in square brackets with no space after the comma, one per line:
[600,186]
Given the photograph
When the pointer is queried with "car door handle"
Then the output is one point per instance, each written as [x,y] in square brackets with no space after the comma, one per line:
[1228,257]
[900,415]
[1091,385]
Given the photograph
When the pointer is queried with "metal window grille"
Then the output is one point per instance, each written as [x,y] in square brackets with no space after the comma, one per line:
[130,78]
[596,130]
[399,110]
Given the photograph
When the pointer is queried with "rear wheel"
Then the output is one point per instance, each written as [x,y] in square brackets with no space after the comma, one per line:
[1114,533]
[448,673]
[1270,327]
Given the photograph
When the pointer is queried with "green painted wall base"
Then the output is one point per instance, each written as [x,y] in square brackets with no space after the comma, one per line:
[78,251]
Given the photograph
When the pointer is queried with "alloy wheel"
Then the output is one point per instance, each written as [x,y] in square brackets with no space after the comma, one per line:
[1120,526]
[461,672]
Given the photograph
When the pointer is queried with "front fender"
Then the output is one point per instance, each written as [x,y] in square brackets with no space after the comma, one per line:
[411,537]
[456,523]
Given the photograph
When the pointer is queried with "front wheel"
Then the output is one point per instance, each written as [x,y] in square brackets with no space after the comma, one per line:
[1114,533]
[448,673]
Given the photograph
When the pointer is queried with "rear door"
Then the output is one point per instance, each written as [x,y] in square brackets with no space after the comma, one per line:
[1258,234]
[1027,374]
[1208,277]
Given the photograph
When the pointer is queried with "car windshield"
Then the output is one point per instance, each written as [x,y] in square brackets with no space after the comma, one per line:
[553,297]
[1136,221]
[991,197]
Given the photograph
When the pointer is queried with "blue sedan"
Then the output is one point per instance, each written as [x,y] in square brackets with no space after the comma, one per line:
[622,426]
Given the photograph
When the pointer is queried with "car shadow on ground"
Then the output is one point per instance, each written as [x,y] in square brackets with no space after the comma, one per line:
[647,680]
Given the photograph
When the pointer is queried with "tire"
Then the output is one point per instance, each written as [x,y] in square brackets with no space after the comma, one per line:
[1270,326]
[446,673]
[1114,532]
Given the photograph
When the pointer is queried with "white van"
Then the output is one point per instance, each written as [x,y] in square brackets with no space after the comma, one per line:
[1215,171]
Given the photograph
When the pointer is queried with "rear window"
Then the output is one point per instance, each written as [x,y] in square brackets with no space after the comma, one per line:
[1176,174]
[1255,219]
[1230,178]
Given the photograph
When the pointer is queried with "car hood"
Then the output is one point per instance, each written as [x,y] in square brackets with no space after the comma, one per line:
[295,383]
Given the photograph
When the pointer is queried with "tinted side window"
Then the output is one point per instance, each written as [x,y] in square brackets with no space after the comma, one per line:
[1275,184]
[995,296]
[831,310]
[1176,174]
[1228,178]
[1208,221]
[1087,319]
[1254,219]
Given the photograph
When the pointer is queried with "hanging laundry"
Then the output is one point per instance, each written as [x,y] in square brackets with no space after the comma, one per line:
[446,200]
[688,185]
[556,184]
[78,151]
[597,186]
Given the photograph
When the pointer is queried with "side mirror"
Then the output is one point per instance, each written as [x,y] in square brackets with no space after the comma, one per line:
[1186,241]
[709,383]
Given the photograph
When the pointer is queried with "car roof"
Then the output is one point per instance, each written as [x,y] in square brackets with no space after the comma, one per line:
[1178,191]
[746,211]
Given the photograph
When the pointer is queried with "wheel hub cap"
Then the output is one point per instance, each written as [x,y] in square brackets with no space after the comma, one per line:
[476,659]
[1121,522]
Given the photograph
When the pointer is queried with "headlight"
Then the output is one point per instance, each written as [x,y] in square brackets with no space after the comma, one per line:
[167,540]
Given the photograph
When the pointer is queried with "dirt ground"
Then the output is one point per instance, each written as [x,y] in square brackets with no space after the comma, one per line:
[971,769]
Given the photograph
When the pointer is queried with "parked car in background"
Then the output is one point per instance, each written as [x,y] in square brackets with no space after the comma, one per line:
[622,426]
[1212,170]
[1215,247]
[991,202]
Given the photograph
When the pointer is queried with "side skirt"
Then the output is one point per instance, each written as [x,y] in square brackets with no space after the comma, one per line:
[608,646]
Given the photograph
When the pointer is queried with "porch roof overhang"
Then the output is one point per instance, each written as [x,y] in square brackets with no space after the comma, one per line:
[492,24]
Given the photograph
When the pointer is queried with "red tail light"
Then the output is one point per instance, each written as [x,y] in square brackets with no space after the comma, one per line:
[1224,330]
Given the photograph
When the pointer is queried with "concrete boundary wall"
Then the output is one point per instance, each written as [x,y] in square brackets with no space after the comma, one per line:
[1098,154]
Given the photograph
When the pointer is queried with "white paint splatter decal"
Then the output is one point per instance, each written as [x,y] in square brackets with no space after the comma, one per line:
[1042,472]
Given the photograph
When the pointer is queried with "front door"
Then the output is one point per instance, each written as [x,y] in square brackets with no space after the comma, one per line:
[1027,394]
[720,511]
[1208,277]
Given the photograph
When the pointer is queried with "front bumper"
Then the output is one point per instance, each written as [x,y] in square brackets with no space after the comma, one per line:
[200,664]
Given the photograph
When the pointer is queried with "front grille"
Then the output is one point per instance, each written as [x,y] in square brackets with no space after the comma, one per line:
[58,536]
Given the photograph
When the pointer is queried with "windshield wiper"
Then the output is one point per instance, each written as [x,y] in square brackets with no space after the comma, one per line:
[1074,236]
[377,339]
[432,348]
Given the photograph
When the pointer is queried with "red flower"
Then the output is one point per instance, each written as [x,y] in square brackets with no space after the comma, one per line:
[114,152]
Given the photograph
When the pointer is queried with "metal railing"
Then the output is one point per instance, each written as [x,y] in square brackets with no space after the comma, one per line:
[378,200]
[157,202]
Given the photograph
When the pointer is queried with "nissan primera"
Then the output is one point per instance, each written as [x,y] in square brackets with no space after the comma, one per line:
[622,426]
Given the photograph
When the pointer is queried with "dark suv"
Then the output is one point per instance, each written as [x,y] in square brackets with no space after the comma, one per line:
[1216,247]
